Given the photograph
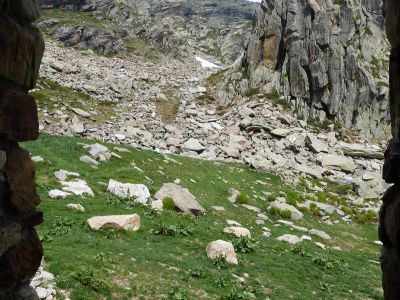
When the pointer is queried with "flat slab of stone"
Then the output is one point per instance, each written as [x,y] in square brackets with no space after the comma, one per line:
[222,249]
[139,192]
[290,239]
[58,194]
[125,222]
[184,201]
[343,163]
[237,231]
[77,187]
[360,150]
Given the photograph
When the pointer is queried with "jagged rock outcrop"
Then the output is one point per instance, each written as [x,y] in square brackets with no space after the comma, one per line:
[328,59]
[187,27]
[21,51]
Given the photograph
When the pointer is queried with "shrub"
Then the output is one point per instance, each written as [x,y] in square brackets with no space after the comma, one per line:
[366,217]
[242,199]
[168,203]
[286,214]
[271,198]
[173,230]
[244,245]
[88,279]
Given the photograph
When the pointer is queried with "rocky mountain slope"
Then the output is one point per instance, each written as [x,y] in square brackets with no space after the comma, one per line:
[216,28]
[329,59]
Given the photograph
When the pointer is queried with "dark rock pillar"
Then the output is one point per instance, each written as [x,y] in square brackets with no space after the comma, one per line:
[21,50]
[389,229]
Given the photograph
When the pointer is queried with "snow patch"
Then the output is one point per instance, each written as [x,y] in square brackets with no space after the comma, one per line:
[206,64]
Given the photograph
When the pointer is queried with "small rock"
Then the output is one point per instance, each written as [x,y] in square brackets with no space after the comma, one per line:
[321,234]
[237,231]
[37,159]
[57,194]
[88,160]
[290,239]
[77,207]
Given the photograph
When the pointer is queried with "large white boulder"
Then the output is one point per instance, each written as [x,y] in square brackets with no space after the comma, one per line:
[139,192]
[222,249]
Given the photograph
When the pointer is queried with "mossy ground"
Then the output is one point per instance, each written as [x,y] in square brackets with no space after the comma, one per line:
[166,258]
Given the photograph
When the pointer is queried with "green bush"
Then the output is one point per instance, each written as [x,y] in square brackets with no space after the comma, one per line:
[368,216]
[242,199]
[88,279]
[244,245]
[168,203]
[286,214]
[271,198]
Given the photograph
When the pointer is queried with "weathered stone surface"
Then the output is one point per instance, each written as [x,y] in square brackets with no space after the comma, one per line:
[359,150]
[222,249]
[18,116]
[21,179]
[311,53]
[10,234]
[184,201]
[138,192]
[338,162]
[237,231]
[19,264]
[125,222]
[22,66]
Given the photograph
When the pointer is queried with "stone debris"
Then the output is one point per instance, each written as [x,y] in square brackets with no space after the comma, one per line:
[44,284]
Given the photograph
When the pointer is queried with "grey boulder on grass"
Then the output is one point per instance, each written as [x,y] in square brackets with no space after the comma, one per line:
[184,201]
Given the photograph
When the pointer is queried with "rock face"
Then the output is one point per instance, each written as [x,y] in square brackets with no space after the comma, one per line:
[21,52]
[327,60]
[389,227]
[214,28]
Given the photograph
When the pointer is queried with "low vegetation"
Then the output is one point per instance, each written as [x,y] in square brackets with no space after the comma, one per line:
[166,258]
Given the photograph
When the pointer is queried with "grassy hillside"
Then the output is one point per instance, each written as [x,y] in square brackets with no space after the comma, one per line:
[166,258]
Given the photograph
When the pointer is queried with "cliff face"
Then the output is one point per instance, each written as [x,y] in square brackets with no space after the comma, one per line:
[215,28]
[328,59]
